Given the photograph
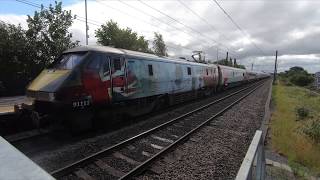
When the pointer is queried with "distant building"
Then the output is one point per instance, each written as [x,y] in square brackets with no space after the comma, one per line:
[317,80]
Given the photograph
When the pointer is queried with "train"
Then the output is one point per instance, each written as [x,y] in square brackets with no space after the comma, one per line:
[95,85]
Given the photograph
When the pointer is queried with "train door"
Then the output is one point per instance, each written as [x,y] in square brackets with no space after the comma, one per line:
[220,84]
[118,77]
[96,78]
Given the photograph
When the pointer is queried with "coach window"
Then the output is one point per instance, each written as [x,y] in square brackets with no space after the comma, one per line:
[189,70]
[117,64]
[106,67]
[150,70]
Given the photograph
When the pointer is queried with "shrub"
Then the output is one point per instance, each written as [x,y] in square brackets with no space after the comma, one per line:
[301,79]
[313,131]
[302,113]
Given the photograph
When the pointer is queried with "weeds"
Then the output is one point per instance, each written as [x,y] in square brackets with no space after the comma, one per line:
[312,130]
[302,113]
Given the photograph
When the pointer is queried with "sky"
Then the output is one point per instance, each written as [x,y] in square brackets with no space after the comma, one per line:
[259,27]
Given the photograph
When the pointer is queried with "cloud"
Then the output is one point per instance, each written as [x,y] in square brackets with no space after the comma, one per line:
[291,27]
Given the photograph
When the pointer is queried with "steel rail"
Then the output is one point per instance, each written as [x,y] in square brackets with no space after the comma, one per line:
[145,164]
[87,160]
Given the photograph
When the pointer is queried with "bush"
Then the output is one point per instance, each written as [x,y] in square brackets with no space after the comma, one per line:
[301,79]
[302,113]
[313,131]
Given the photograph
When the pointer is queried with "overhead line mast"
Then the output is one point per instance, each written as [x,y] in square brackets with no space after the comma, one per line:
[87,36]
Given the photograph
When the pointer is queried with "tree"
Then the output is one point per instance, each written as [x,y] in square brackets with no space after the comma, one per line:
[159,47]
[230,62]
[48,34]
[301,79]
[298,76]
[110,34]
[14,60]
[24,53]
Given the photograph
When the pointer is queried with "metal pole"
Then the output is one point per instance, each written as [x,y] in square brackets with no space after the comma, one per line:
[217,54]
[86,22]
[275,68]
[226,62]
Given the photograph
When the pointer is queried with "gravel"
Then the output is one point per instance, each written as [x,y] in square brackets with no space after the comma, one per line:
[217,150]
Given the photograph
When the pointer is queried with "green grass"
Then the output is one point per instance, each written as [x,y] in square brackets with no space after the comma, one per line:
[286,132]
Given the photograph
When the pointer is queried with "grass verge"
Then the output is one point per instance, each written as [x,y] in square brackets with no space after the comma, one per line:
[287,136]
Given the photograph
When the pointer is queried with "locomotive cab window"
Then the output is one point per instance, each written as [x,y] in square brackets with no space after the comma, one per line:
[68,60]
[106,67]
[150,70]
[189,70]
[95,61]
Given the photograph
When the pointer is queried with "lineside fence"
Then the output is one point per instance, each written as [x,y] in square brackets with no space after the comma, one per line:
[254,164]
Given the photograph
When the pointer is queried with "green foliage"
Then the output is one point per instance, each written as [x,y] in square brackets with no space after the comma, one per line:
[313,131]
[48,33]
[14,59]
[110,34]
[24,53]
[297,76]
[229,63]
[159,47]
[240,66]
[299,170]
[301,79]
[302,113]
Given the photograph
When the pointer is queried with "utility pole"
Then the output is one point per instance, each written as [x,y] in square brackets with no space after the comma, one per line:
[252,67]
[275,68]
[217,53]
[226,61]
[87,36]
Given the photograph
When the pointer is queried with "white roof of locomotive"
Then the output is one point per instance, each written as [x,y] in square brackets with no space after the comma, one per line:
[108,49]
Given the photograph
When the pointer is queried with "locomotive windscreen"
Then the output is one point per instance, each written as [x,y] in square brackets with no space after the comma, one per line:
[68,61]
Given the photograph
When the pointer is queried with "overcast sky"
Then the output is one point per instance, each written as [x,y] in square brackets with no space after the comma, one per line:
[290,26]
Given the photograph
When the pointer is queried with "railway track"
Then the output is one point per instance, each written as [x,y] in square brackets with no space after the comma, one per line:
[132,156]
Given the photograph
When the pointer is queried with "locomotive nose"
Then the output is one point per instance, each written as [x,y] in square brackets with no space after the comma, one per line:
[48,82]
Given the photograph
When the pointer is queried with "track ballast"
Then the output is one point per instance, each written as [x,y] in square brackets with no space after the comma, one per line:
[130,157]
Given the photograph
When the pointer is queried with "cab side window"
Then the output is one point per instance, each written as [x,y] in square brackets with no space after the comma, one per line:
[95,62]
[106,67]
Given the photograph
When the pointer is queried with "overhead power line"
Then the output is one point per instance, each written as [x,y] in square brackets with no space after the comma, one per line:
[90,21]
[98,23]
[236,24]
[204,20]
[179,22]
[39,6]
[143,12]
